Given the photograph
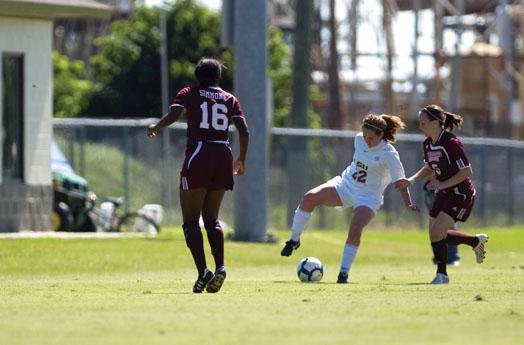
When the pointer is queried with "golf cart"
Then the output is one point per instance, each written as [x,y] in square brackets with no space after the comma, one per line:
[72,197]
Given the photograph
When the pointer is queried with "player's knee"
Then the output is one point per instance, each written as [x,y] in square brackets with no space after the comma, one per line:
[212,225]
[435,237]
[309,200]
[190,228]
[354,237]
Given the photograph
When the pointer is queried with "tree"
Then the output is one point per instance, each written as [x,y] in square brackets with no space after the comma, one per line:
[194,32]
[71,93]
[126,73]
[126,69]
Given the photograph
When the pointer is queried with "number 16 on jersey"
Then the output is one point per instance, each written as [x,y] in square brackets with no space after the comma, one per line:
[219,120]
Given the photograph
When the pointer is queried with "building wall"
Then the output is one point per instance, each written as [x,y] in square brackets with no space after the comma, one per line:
[33,38]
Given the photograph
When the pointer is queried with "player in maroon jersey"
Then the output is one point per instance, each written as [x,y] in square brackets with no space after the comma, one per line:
[208,167]
[444,157]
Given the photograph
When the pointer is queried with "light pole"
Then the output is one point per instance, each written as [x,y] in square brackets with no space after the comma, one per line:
[166,135]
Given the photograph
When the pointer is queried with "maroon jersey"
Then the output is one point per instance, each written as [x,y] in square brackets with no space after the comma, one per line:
[209,112]
[447,157]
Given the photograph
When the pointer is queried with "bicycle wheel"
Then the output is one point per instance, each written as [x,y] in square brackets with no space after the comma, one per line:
[136,222]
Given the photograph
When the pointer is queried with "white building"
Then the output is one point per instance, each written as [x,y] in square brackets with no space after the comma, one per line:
[26,101]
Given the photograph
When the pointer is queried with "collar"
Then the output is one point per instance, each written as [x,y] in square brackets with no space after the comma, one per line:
[442,130]
[375,148]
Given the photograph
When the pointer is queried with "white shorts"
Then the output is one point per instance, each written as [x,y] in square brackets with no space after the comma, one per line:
[352,199]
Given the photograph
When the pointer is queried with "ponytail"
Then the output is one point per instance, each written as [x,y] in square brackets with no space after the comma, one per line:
[452,121]
[446,119]
[393,123]
[386,124]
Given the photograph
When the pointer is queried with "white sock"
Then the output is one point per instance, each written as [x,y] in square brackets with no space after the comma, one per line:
[299,222]
[348,255]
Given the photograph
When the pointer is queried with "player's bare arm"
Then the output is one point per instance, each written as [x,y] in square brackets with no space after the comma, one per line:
[243,134]
[422,174]
[173,115]
[406,198]
[453,181]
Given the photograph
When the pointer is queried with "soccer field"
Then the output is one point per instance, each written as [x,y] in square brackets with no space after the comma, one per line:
[138,291]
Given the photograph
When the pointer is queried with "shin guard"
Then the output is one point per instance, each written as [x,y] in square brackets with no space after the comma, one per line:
[195,243]
[215,236]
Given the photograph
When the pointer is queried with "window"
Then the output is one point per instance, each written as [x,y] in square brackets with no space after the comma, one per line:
[13,116]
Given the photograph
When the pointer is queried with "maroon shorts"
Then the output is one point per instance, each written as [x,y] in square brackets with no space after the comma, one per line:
[458,206]
[207,165]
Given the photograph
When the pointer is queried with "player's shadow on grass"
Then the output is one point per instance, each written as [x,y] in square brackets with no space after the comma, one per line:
[350,283]
[408,284]
[155,239]
[170,293]
[310,283]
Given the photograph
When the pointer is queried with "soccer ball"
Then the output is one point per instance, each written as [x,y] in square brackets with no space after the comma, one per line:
[310,269]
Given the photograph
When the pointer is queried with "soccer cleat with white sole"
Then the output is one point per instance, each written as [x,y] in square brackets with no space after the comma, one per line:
[440,278]
[216,283]
[480,249]
[202,281]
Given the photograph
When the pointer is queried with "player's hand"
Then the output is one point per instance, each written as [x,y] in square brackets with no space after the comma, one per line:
[152,131]
[413,207]
[402,183]
[238,167]
[434,185]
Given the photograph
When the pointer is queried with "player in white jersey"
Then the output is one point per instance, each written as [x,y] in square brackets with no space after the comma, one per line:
[375,164]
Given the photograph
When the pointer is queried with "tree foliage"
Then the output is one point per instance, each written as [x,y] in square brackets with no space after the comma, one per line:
[126,71]
[71,92]
[194,32]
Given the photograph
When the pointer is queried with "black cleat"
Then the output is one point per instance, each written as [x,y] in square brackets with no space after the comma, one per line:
[342,278]
[202,281]
[216,283]
[289,247]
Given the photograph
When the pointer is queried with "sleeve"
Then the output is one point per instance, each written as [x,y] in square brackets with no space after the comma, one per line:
[457,155]
[359,139]
[182,98]
[396,169]
[237,109]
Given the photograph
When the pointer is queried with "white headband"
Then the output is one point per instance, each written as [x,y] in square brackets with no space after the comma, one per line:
[376,127]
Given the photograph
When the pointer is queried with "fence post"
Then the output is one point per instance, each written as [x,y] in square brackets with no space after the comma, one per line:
[82,151]
[72,142]
[168,167]
[511,186]
[482,183]
[125,141]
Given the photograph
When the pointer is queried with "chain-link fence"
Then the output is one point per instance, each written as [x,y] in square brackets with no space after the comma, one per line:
[117,159]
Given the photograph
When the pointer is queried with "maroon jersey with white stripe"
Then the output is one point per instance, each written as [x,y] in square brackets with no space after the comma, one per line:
[209,112]
[447,157]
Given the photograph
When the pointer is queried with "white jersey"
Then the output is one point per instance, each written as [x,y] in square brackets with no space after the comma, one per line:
[372,169]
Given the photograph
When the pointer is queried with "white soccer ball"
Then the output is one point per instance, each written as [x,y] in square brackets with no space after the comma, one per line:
[310,269]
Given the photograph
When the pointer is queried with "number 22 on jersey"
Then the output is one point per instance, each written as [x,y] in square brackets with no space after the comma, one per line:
[360,176]
[219,120]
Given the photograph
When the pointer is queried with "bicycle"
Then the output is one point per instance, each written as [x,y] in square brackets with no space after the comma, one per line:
[108,218]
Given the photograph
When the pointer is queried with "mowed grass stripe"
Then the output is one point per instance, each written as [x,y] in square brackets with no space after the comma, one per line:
[137,291]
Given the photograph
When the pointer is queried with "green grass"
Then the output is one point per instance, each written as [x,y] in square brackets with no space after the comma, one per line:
[137,291]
